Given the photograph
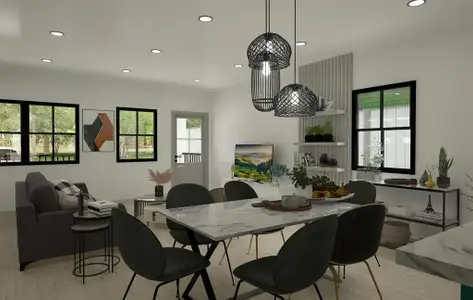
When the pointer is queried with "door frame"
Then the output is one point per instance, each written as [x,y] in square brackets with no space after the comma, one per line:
[205,139]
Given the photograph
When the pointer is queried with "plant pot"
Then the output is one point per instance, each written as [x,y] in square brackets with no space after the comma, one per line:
[324,160]
[309,138]
[306,192]
[327,137]
[443,182]
[318,138]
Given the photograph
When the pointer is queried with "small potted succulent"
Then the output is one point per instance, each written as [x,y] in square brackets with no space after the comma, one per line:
[314,134]
[443,181]
[327,132]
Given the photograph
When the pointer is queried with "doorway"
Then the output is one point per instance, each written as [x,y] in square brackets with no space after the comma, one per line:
[190,148]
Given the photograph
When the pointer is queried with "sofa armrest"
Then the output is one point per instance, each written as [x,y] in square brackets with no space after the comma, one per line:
[82,186]
[25,210]
[56,220]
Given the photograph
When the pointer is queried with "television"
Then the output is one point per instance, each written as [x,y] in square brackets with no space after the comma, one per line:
[254,162]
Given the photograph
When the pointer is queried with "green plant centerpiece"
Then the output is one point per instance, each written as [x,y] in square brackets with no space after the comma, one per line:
[299,177]
[445,163]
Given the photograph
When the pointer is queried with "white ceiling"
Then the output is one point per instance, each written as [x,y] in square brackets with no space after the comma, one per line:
[106,36]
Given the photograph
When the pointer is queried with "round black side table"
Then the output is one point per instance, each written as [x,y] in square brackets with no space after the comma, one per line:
[80,261]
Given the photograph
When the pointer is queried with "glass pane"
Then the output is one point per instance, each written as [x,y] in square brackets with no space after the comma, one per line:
[64,147]
[195,153]
[9,117]
[127,122]
[10,148]
[127,147]
[41,118]
[146,123]
[182,149]
[397,149]
[41,146]
[369,149]
[397,107]
[64,119]
[195,128]
[369,110]
[182,130]
[145,147]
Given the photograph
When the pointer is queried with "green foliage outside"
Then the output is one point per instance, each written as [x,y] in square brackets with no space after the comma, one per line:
[128,125]
[193,123]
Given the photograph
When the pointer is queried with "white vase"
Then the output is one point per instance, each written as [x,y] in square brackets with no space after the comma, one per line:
[306,192]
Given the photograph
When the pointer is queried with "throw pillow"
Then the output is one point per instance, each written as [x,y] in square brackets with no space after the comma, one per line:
[72,190]
[67,201]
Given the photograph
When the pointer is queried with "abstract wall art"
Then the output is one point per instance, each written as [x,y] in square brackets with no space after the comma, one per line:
[98,130]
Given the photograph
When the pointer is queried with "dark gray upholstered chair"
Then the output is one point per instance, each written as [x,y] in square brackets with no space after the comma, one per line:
[145,256]
[189,194]
[218,195]
[358,237]
[300,263]
[365,193]
[239,190]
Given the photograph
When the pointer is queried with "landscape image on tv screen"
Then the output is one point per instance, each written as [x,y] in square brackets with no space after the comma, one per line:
[253,162]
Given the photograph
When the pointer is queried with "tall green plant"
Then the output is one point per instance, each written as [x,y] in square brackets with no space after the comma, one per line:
[444,163]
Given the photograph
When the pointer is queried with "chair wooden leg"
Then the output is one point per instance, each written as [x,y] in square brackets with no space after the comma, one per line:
[228,261]
[251,242]
[224,253]
[336,280]
[374,280]
[257,250]
[129,286]
[236,290]
[283,238]
[318,292]
[379,265]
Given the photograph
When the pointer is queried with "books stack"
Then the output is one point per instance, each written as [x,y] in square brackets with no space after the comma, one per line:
[102,208]
[436,217]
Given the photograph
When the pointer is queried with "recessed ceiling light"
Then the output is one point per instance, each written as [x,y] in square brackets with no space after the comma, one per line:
[301,43]
[196,80]
[156,51]
[56,33]
[126,71]
[416,3]
[238,66]
[397,94]
[46,60]
[206,19]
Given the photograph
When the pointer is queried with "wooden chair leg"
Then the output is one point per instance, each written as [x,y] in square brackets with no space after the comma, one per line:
[257,250]
[283,238]
[374,280]
[251,242]
[336,280]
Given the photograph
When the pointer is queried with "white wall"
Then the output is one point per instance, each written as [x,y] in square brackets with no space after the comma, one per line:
[106,178]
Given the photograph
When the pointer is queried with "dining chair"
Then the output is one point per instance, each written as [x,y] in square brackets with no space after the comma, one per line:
[189,194]
[365,193]
[218,195]
[145,256]
[358,237]
[300,263]
[239,190]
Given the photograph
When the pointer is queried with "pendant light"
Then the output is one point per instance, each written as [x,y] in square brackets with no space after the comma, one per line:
[265,78]
[272,43]
[295,100]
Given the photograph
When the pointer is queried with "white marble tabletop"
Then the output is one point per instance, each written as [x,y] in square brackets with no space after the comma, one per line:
[448,255]
[221,221]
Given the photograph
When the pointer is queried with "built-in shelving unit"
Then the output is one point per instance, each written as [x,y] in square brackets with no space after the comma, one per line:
[321,144]
[326,113]
[326,169]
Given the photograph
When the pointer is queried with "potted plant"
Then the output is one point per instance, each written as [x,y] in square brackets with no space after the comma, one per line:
[373,159]
[327,131]
[443,181]
[314,134]
[160,179]
[301,180]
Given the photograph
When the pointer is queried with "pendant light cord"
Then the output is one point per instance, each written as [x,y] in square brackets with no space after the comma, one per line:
[295,41]
[269,15]
[266,15]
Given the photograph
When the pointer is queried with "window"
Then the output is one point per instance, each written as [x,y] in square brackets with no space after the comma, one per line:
[136,135]
[33,133]
[384,126]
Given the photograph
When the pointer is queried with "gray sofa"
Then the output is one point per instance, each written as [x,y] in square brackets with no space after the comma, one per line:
[43,229]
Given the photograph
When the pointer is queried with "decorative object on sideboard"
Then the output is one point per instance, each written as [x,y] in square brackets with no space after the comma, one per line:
[278,171]
[159,179]
[401,181]
[333,162]
[430,181]
[321,103]
[329,105]
[429,209]
[423,179]
[324,160]
[443,181]
[295,100]
[98,130]
[373,159]
[395,234]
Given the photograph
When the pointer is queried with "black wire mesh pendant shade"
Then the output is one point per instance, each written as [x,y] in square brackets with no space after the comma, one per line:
[295,100]
[265,86]
[269,42]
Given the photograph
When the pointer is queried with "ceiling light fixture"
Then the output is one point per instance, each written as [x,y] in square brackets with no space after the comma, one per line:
[156,51]
[126,71]
[397,94]
[196,80]
[238,66]
[206,19]
[56,33]
[416,3]
[46,60]
[301,43]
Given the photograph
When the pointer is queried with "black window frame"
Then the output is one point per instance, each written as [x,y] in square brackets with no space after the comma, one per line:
[412,124]
[137,134]
[25,133]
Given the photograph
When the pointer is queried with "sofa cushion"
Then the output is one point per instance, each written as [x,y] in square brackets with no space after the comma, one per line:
[44,198]
[34,180]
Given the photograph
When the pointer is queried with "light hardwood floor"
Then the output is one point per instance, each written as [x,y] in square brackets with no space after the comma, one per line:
[51,279]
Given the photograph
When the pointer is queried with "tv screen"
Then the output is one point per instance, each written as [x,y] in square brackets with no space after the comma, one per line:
[254,161]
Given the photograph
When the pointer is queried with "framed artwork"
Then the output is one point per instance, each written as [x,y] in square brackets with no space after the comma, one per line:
[98,130]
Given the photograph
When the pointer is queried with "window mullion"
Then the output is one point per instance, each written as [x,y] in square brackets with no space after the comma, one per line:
[137,131]
[25,132]
[381,123]
[53,154]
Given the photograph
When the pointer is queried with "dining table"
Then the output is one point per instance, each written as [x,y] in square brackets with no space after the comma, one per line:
[225,220]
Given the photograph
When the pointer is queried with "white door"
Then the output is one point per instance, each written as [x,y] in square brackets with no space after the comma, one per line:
[189,148]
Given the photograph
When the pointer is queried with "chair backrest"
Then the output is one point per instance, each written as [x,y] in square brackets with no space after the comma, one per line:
[306,255]
[218,195]
[238,190]
[359,234]
[186,194]
[365,192]
[140,249]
